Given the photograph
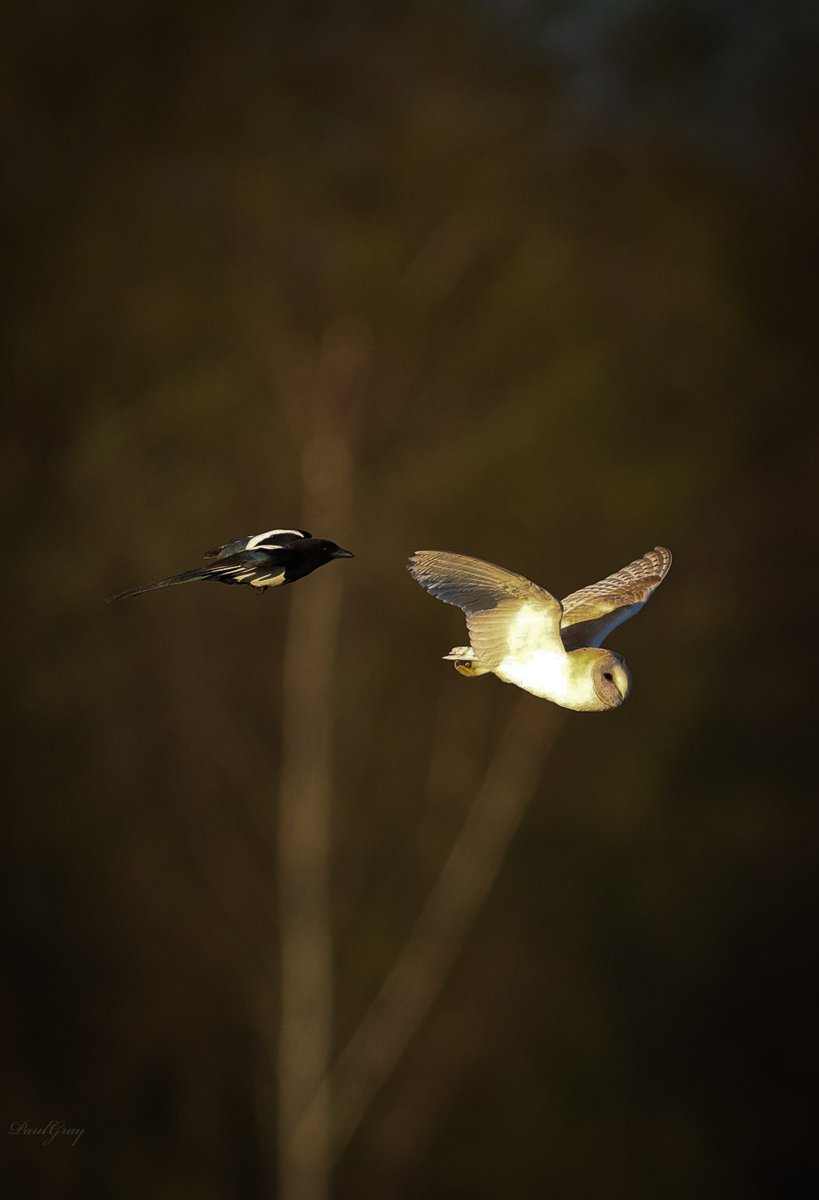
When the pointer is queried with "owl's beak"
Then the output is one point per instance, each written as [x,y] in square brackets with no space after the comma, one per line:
[622,681]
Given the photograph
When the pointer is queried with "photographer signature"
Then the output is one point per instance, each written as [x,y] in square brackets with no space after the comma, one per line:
[48,1133]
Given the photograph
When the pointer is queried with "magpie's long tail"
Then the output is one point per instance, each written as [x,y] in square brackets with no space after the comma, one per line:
[172,581]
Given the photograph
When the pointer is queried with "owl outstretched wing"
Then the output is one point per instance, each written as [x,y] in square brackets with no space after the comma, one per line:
[506,614]
[591,614]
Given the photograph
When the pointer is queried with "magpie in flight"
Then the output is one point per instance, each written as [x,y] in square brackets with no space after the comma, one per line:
[266,560]
[521,633]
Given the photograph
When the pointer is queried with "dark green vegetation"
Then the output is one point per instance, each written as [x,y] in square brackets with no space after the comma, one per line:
[543,277]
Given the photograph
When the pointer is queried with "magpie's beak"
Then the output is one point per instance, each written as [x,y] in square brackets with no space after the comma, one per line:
[340,553]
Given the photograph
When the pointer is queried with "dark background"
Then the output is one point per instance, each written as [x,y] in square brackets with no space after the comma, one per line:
[551,269]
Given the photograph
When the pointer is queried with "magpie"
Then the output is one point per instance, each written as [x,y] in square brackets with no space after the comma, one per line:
[265,560]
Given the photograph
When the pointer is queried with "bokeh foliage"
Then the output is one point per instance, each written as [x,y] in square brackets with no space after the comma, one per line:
[551,264]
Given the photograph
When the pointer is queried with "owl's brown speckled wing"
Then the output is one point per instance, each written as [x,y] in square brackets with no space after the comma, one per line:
[505,613]
[590,614]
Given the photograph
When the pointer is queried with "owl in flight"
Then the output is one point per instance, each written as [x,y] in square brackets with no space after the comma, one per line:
[522,634]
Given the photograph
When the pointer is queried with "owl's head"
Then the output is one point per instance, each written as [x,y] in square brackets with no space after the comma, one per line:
[611,678]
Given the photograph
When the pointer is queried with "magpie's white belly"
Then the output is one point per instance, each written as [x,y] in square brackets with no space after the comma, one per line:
[545,673]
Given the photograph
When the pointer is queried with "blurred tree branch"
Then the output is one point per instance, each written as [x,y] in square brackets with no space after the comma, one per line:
[424,965]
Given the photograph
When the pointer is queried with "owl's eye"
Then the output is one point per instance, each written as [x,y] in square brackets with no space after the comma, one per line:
[608,675]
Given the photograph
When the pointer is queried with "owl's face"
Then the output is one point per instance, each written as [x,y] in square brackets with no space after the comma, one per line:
[611,679]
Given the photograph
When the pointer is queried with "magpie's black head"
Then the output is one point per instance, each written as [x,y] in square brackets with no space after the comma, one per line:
[332,550]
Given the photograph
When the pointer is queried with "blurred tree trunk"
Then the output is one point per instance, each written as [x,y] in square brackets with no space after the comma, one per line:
[312,393]
[303,843]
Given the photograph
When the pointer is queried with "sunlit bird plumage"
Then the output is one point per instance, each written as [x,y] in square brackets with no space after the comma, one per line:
[270,559]
[521,633]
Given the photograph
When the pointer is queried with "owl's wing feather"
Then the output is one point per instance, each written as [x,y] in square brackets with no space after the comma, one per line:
[505,613]
[591,614]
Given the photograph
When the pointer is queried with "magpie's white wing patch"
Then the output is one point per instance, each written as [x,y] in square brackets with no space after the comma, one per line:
[506,614]
[590,615]
[276,539]
[271,539]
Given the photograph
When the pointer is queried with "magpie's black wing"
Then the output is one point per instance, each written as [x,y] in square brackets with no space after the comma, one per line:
[263,567]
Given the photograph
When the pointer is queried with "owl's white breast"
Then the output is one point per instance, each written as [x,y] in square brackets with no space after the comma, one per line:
[544,673]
